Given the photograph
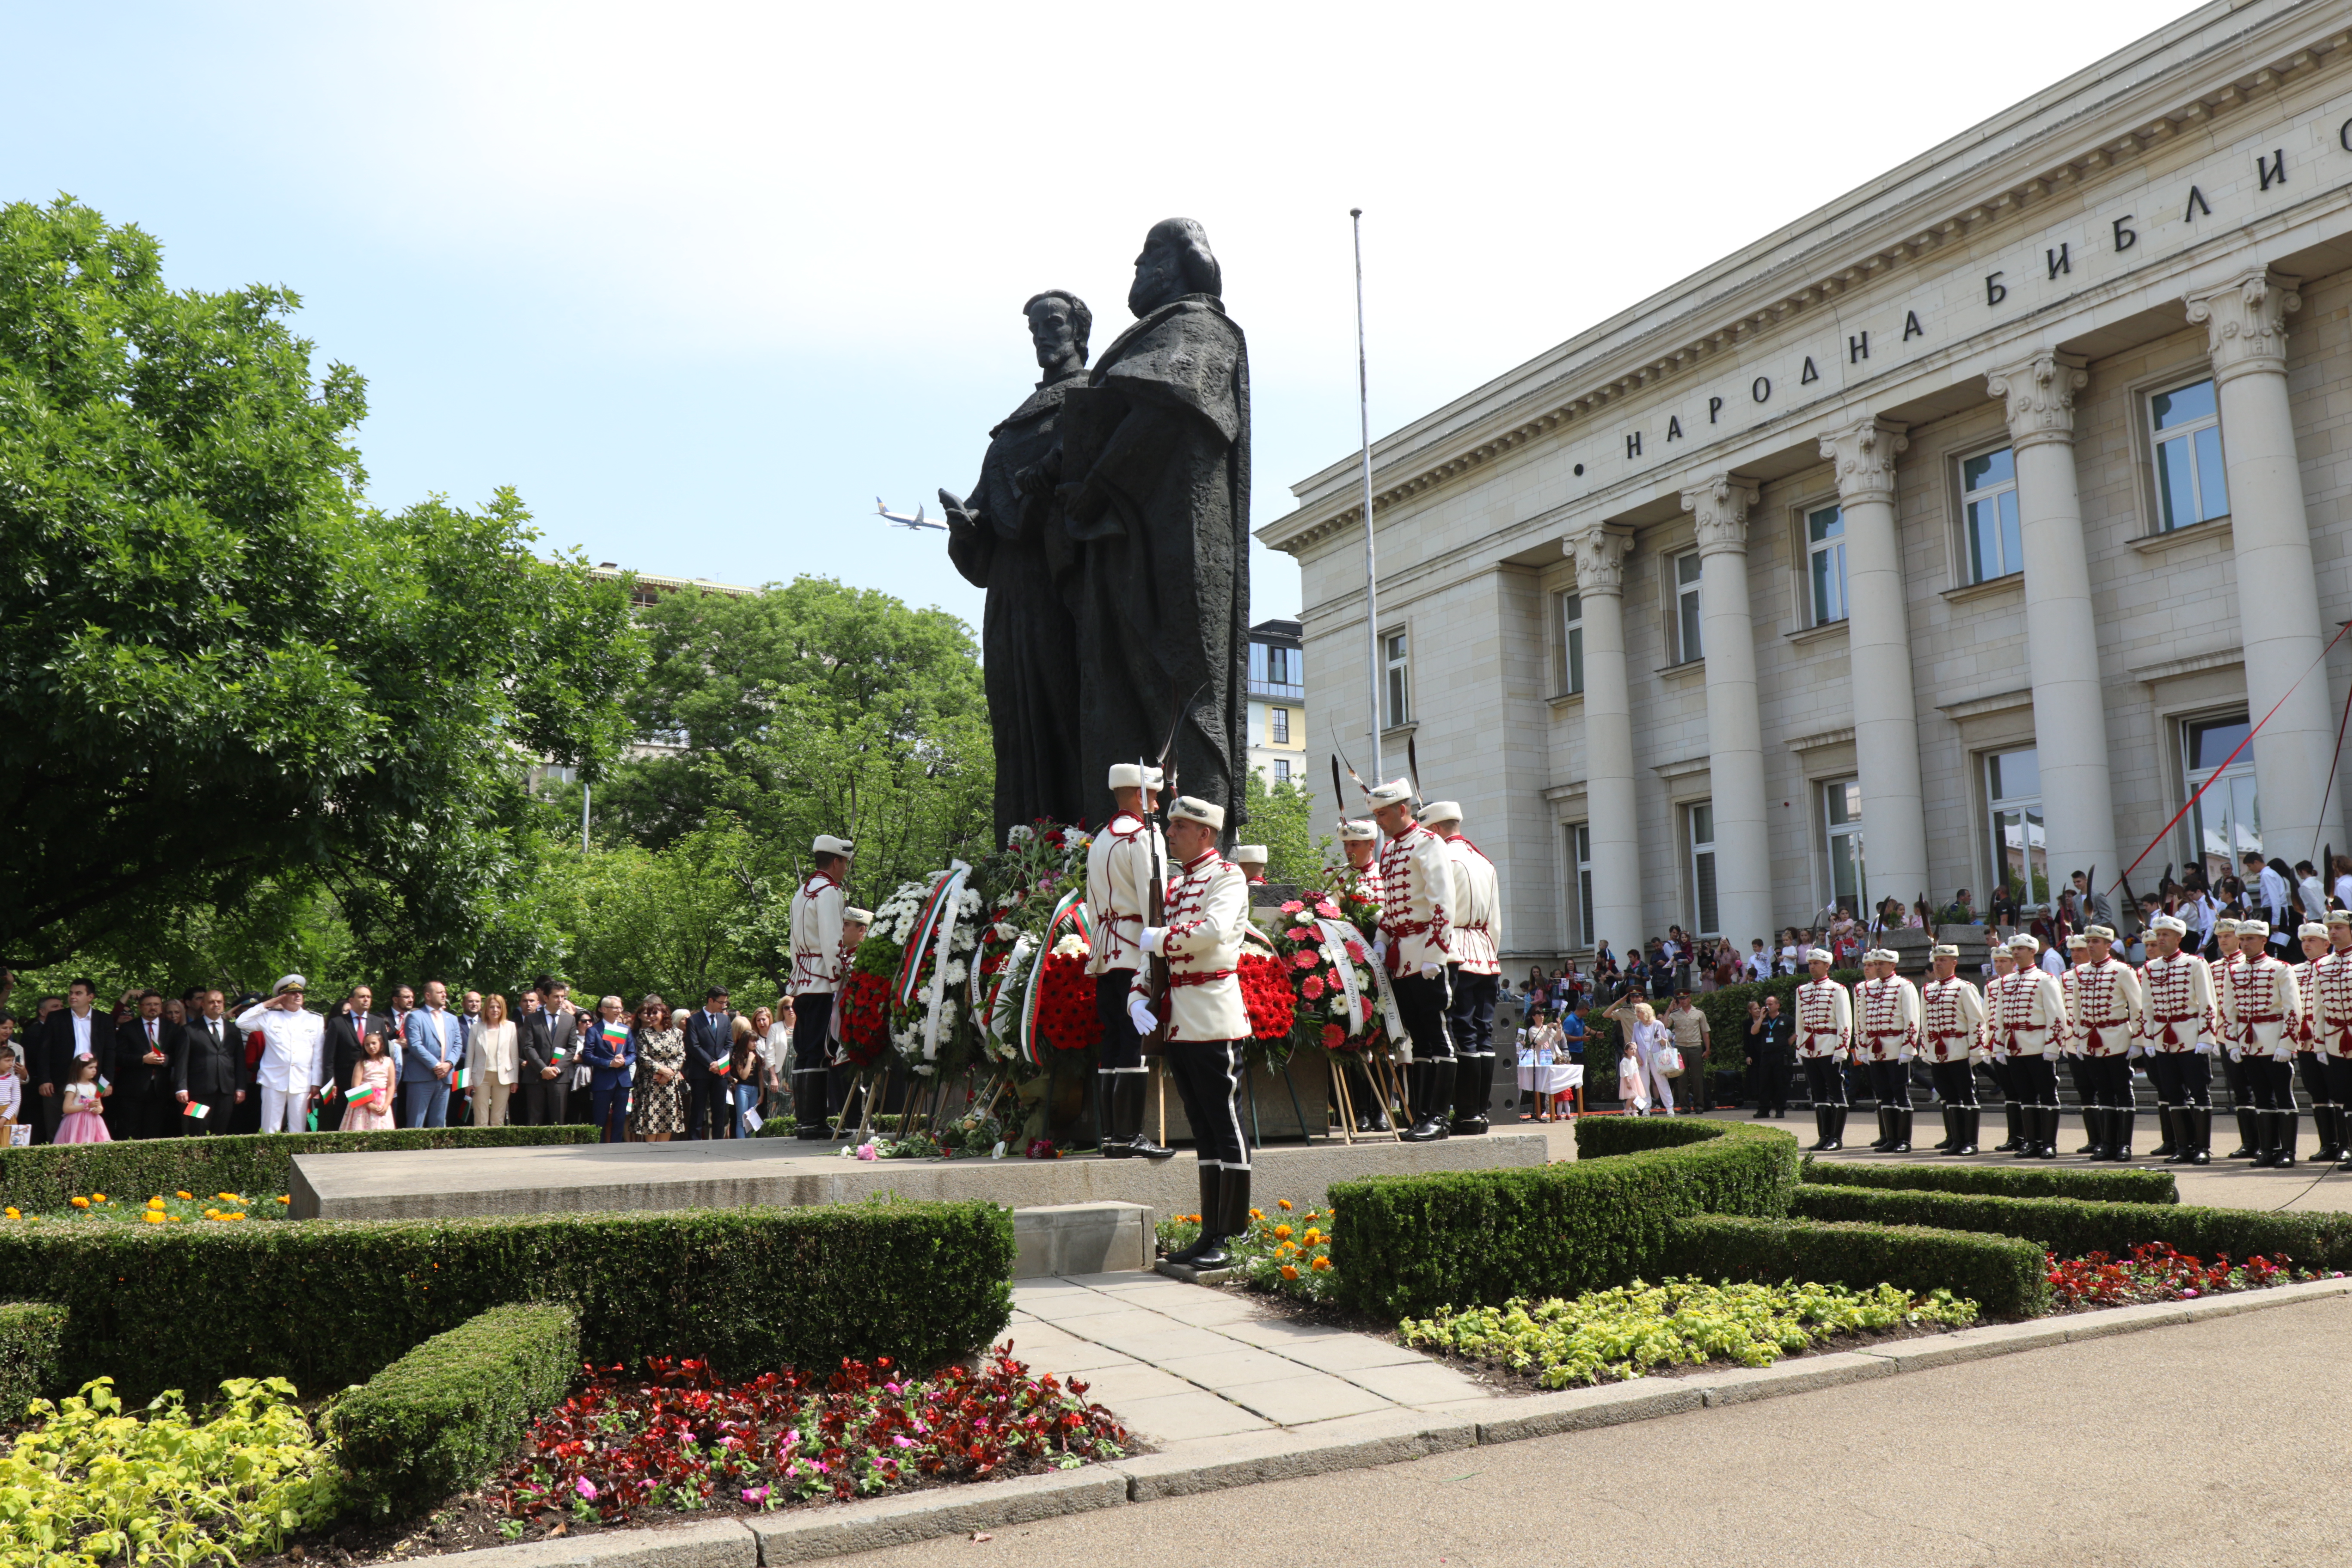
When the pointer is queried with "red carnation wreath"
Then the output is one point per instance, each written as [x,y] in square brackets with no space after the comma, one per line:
[1265,991]
[1065,1002]
[864,1004]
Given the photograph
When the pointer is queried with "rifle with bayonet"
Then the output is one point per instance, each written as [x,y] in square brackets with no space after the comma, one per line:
[1155,897]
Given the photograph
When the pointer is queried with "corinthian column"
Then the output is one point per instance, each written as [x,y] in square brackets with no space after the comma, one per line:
[2062,644]
[1878,643]
[2278,596]
[1599,556]
[1743,858]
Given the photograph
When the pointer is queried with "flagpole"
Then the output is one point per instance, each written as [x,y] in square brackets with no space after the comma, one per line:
[1371,579]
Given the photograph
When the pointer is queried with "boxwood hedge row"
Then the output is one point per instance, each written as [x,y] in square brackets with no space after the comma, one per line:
[2004,1276]
[30,1334]
[328,1302]
[2001,1181]
[2069,1227]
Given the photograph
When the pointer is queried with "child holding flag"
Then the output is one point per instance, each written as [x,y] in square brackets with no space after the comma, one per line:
[368,1104]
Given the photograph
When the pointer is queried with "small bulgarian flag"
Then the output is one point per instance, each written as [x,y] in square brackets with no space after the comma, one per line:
[195,1111]
[615,1034]
[362,1096]
[457,1079]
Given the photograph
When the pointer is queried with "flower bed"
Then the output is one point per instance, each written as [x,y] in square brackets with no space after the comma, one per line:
[165,1208]
[1608,1335]
[1287,1253]
[2155,1272]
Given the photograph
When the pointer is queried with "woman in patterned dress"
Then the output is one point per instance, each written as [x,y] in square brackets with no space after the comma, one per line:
[660,1108]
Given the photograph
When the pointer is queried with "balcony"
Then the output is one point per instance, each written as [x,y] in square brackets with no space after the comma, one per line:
[1293,692]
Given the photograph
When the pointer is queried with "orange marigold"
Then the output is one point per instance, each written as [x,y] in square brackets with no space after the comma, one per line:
[1290,1271]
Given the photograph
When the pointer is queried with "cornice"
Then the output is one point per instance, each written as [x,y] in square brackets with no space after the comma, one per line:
[1957,213]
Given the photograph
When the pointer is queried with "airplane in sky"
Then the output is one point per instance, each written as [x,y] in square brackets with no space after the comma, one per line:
[915,524]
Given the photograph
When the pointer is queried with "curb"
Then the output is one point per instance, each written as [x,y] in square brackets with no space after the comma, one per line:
[1350,1443]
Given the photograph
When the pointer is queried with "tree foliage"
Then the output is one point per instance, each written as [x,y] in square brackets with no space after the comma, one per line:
[220,667]
[1280,815]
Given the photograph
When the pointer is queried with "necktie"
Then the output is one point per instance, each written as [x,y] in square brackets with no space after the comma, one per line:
[151,1033]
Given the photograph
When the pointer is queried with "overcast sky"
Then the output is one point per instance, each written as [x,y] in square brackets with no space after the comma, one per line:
[702,282]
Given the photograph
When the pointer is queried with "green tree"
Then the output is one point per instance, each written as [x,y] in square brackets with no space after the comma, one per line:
[221,669]
[1279,814]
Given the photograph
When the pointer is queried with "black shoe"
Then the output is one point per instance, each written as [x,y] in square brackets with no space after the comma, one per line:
[1964,1142]
[1128,1096]
[1428,1130]
[1760,1114]
[2290,1127]
[1211,1208]
[1951,1136]
[2250,1135]
[2167,1127]
[2012,1114]
[1782,1114]
[1902,1144]
[1467,1126]
[2119,1133]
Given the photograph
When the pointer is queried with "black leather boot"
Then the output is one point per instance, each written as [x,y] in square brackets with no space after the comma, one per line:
[1473,1088]
[2250,1135]
[2119,1132]
[2328,1121]
[1969,1115]
[1432,1098]
[2266,1138]
[1117,1136]
[1902,1144]
[1821,1129]
[1213,1188]
[2167,1127]
[2184,1136]
[2047,1147]
[2200,1132]
[1886,1138]
[2091,1131]
[2029,1136]
[1129,1092]
[2012,1116]
[1951,1139]
[1837,1128]
[2290,1127]
[1234,1219]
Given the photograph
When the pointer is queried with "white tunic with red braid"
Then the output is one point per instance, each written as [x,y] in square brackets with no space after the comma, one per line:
[2259,1008]
[2328,1006]
[1416,886]
[1888,1026]
[2306,989]
[1477,939]
[1118,876]
[817,966]
[1208,911]
[1824,1019]
[1951,1020]
[2107,1007]
[2181,1012]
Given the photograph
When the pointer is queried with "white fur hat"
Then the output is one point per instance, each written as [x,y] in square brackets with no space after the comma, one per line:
[1134,775]
[826,843]
[1396,792]
[1193,808]
[1442,811]
[2254,928]
[2312,928]
[1248,854]
[2172,923]
[1819,955]
[1355,830]
[856,917]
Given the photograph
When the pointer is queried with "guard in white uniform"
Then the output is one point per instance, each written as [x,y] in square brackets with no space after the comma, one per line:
[1119,879]
[2178,1036]
[2105,1023]
[2026,1019]
[1887,1035]
[2327,1006]
[1951,1036]
[1824,1036]
[2233,1071]
[1473,972]
[1359,841]
[2012,1109]
[2260,1010]
[817,973]
[2313,937]
[1416,926]
[1208,909]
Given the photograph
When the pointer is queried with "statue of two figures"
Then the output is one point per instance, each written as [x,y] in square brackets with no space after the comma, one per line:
[1110,530]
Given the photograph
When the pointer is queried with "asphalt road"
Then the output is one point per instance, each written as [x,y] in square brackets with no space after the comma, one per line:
[2207,1445]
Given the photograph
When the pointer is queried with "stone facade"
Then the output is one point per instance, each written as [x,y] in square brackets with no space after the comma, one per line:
[2180,213]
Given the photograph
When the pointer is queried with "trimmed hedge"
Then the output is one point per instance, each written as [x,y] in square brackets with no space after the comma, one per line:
[1409,1245]
[2004,1276]
[46,1176]
[328,1302]
[2070,1228]
[30,1332]
[442,1418]
[2001,1181]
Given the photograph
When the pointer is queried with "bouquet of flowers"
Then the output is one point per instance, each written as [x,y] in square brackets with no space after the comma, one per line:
[862,1007]
[1030,885]
[949,905]
[1328,967]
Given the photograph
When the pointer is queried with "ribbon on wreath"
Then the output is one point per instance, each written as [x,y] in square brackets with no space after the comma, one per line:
[1335,938]
[999,1013]
[1071,911]
[927,917]
[946,911]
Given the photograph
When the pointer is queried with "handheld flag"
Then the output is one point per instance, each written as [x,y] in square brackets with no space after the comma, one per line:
[360,1097]
[195,1111]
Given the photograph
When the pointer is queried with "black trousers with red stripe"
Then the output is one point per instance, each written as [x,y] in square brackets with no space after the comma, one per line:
[1208,1075]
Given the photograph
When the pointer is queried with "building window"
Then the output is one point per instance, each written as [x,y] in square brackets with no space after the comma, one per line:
[1825,563]
[1282,770]
[2226,822]
[1687,645]
[1278,726]
[1988,511]
[1580,855]
[1394,653]
[2013,791]
[1568,673]
[1276,671]
[1842,810]
[1702,865]
[2186,426]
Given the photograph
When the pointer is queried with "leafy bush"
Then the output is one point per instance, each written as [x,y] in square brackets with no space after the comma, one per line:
[1412,1245]
[2001,1181]
[2004,1276]
[90,1482]
[45,1177]
[2070,1228]
[748,1288]
[30,1334]
[1623,1333]
[442,1418]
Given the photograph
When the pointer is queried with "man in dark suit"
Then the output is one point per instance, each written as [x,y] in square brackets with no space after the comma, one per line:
[76,1029]
[145,1050]
[346,1032]
[710,1042]
[549,1042]
[210,1070]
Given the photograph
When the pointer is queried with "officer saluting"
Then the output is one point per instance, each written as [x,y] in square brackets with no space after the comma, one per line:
[1473,970]
[2260,1005]
[1416,889]
[1886,1032]
[2178,1031]
[1825,1035]
[1951,1034]
[1207,913]
[1119,879]
[2106,1020]
[816,915]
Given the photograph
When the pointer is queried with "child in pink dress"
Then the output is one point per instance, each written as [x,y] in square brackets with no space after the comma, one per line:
[375,1071]
[81,1122]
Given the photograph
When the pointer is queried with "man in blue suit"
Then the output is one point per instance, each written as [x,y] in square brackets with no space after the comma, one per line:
[434,1049]
[710,1045]
[611,1063]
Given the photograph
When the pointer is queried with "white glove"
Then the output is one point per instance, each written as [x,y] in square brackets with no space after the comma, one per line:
[1432,971]
[1380,949]
[1139,1010]
[1152,937]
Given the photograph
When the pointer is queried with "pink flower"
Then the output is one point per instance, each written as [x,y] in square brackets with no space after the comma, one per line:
[1293,907]
[867,1152]
[755,1494]
[1327,908]
[900,1442]
[585,1488]
[1311,987]
[1304,960]
[1356,952]
[2188,1295]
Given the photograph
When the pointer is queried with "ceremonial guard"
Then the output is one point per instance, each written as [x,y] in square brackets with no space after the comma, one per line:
[2106,1022]
[2327,1006]
[1951,1036]
[2260,1007]
[2178,1033]
[1118,880]
[1416,925]
[1208,912]
[1359,841]
[1996,1061]
[2078,1065]
[2313,937]
[2233,1071]
[2026,1016]
[1251,858]
[1887,1034]
[1824,1038]
[1473,970]
[817,971]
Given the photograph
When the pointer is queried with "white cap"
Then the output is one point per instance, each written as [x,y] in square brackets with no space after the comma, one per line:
[1396,792]
[1441,811]
[1945,950]
[2172,923]
[854,917]
[2225,928]
[2254,928]
[1881,955]
[1355,830]
[290,982]
[2099,933]
[826,843]
[1819,955]
[1193,808]
[2339,917]
[2076,940]
[1248,854]
[2312,928]
[1134,775]
[2026,942]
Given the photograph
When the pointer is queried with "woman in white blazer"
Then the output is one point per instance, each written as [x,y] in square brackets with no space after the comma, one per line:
[491,1061]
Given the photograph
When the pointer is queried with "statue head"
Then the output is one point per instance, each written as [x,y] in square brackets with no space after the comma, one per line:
[1060,322]
[1176,260]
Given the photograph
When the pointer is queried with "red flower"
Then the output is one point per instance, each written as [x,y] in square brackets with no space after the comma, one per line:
[1333,1036]
[1305,958]
[1311,987]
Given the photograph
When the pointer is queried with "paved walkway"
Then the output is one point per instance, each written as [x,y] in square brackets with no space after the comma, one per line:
[1183,1363]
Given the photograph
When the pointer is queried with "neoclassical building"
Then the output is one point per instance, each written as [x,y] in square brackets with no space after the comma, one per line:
[1956,532]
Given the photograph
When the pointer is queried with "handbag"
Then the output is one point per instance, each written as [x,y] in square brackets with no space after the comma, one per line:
[1669,1062]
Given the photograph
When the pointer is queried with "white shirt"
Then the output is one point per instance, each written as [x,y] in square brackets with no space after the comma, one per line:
[1759,966]
[81,1034]
[2344,889]
[294,1047]
[2050,964]
[2314,898]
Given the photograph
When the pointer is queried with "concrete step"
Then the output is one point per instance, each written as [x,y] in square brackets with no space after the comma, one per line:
[1065,1239]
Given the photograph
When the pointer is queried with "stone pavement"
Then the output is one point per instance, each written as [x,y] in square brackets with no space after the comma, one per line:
[1184,1363]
